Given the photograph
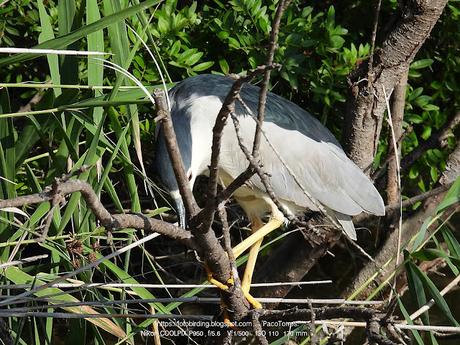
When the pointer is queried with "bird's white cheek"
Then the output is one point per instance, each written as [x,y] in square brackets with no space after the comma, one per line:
[175,194]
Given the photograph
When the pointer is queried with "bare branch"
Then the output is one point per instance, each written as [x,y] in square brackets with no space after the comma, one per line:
[452,167]
[206,217]
[257,328]
[433,141]
[163,114]
[254,164]
[264,87]
[397,114]
[373,318]
[207,244]
[373,38]
[115,221]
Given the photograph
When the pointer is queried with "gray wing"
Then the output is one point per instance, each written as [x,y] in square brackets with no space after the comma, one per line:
[312,153]
[321,168]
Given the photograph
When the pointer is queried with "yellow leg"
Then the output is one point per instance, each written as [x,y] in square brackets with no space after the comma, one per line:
[253,252]
[254,242]
[251,264]
[274,223]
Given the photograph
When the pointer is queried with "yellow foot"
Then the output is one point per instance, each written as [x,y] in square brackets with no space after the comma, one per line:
[217,283]
[227,320]
[252,301]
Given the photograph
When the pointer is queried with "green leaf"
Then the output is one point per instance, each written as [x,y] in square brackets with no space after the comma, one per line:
[233,43]
[452,196]
[17,276]
[434,174]
[46,35]
[415,285]
[336,41]
[406,315]
[203,66]
[193,59]
[413,118]
[224,66]
[175,48]
[223,35]
[452,243]
[434,292]
[419,64]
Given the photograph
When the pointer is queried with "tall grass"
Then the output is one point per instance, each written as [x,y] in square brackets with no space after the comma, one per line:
[77,122]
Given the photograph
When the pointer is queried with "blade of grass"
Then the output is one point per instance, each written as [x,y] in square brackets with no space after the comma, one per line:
[46,35]
[452,196]
[74,36]
[434,292]
[406,315]
[17,276]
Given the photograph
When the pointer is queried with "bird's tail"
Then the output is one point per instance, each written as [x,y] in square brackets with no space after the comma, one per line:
[347,225]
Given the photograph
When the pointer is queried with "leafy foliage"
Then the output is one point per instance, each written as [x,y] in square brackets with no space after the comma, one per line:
[77,122]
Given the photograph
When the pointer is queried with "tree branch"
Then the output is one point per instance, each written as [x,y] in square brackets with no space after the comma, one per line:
[163,114]
[207,244]
[452,167]
[373,318]
[205,218]
[433,141]
[108,220]
[266,80]
[366,102]
[397,115]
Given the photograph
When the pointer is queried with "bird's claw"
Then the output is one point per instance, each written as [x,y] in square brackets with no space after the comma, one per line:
[217,283]
[230,282]
[252,301]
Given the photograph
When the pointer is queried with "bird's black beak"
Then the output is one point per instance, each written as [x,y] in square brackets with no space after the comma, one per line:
[180,210]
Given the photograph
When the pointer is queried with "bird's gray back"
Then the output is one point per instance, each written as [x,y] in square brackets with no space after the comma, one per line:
[278,110]
[313,155]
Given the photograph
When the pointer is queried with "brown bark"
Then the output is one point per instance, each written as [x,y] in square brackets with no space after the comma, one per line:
[452,168]
[290,262]
[367,104]
[397,115]
[410,227]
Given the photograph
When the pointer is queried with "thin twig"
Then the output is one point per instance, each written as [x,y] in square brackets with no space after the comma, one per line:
[373,38]
[57,302]
[283,4]
[398,177]
[108,220]
[431,302]
[313,340]
[396,122]
[434,140]
[257,328]
[71,274]
[288,168]
[370,317]
[163,114]
[23,261]
[152,286]
[264,177]
[206,216]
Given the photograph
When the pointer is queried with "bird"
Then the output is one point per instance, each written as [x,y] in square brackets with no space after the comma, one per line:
[308,168]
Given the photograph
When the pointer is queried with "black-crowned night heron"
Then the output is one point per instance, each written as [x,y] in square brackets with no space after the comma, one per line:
[308,167]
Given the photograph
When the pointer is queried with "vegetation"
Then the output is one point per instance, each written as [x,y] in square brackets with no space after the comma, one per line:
[59,113]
